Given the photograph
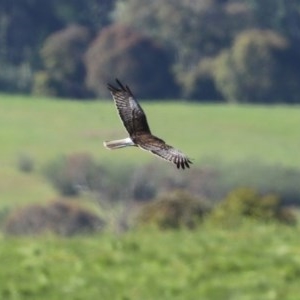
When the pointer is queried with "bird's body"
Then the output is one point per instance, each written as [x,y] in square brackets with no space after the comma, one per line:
[135,122]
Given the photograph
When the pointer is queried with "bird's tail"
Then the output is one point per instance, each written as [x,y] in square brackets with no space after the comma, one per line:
[116,144]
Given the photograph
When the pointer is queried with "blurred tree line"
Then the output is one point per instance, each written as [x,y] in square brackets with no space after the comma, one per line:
[218,50]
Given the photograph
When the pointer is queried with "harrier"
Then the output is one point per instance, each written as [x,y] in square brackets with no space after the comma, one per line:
[135,122]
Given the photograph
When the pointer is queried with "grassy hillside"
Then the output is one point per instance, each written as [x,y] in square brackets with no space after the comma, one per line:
[44,129]
[250,262]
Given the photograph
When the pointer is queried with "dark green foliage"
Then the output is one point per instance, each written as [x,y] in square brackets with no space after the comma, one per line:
[247,202]
[23,25]
[62,56]
[59,217]
[120,52]
[189,33]
[173,210]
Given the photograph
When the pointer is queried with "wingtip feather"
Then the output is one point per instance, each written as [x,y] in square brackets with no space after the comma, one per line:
[120,84]
[182,163]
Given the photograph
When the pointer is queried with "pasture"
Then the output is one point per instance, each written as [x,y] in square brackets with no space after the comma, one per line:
[45,128]
[254,261]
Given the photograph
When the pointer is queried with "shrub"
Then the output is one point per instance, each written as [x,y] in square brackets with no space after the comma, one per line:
[71,174]
[248,203]
[25,163]
[147,181]
[126,54]
[173,210]
[282,181]
[59,217]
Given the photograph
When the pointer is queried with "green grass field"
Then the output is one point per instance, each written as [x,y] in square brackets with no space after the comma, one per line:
[44,129]
[214,264]
[254,261]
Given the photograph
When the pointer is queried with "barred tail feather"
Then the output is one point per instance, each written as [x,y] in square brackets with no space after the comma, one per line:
[116,144]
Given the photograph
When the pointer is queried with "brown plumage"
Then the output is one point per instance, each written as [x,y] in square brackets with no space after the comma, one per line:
[135,122]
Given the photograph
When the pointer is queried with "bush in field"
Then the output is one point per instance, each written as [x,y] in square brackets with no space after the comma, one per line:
[59,217]
[77,172]
[279,180]
[71,174]
[131,57]
[147,181]
[25,163]
[253,68]
[64,71]
[173,210]
[247,202]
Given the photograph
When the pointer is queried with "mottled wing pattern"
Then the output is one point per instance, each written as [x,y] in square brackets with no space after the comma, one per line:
[135,122]
[131,113]
[165,151]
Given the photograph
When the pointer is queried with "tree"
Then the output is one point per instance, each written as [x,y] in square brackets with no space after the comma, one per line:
[25,24]
[94,14]
[282,16]
[199,83]
[191,30]
[253,68]
[120,52]
[62,56]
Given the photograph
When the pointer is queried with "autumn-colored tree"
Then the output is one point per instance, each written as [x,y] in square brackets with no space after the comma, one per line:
[120,52]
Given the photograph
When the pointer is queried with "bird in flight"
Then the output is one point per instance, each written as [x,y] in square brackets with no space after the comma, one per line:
[135,122]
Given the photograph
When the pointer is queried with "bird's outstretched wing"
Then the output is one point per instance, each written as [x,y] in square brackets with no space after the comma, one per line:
[160,148]
[135,122]
[131,113]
